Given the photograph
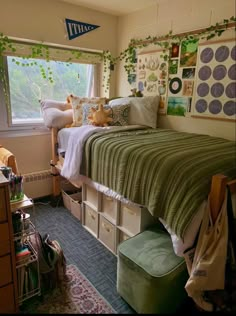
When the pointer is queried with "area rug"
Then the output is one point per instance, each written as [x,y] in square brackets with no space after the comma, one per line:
[76,296]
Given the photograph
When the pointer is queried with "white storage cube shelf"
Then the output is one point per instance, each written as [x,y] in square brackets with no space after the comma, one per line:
[110,220]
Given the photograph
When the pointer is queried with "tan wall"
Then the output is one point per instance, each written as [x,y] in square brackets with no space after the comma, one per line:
[43,21]
[178,16]
[33,154]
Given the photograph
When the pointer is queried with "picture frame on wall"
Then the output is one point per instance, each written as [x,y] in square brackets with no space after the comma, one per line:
[175,50]
[188,53]
[178,106]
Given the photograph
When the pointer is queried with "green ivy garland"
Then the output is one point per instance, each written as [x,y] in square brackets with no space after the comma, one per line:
[109,61]
[37,51]
[166,42]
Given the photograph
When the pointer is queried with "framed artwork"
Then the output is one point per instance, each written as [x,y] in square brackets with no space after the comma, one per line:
[188,88]
[175,50]
[173,66]
[181,79]
[215,86]
[188,73]
[178,106]
[188,53]
[152,76]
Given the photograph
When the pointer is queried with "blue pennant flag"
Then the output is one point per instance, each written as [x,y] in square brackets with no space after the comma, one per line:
[76,28]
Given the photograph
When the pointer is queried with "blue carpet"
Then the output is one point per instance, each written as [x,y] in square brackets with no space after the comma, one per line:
[93,259]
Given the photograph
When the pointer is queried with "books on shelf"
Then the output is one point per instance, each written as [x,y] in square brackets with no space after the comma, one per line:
[23,255]
[27,280]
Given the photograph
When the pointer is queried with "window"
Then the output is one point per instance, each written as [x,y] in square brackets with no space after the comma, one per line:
[27,86]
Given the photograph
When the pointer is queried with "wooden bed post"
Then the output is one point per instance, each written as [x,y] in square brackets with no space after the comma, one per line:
[54,171]
[217,194]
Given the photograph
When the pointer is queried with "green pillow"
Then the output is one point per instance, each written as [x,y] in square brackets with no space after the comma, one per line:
[119,114]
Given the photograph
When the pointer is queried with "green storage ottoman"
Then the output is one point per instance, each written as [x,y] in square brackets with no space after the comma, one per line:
[150,276]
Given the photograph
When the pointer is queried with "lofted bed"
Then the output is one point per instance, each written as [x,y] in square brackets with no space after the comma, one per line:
[165,154]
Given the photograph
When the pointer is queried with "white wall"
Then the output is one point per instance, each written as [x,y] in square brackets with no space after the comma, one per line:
[179,16]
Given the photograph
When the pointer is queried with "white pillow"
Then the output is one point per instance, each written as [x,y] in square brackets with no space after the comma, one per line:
[56,113]
[143,110]
[54,117]
[45,104]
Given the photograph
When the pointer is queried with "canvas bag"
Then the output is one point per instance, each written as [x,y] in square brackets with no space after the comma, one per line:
[52,262]
[206,263]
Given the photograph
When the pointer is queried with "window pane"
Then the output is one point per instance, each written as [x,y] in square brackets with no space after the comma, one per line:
[27,86]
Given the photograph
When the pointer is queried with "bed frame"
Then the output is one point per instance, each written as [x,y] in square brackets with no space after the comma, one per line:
[218,184]
[54,163]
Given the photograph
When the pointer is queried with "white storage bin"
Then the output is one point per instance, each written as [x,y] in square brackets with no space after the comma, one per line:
[109,208]
[122,236]
[71,201]
[92,197]
[90,219]
[66,200]
[107,233]
[75,205]
[134,219]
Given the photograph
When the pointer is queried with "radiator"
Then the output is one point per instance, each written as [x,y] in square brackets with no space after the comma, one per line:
[36,176]
[38,184]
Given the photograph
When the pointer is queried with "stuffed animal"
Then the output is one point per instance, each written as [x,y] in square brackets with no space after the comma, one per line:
[68,100]
[136,93]
[100,117]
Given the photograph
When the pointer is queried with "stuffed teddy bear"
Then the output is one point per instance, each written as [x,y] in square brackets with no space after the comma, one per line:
[136,93]
[100,117]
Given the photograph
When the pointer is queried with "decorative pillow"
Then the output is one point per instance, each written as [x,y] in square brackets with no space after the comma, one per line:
[56,114]
[143,110]
[86,109]
[77,106]
[119,114]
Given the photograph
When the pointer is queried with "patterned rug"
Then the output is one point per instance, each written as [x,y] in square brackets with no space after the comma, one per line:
[76,296]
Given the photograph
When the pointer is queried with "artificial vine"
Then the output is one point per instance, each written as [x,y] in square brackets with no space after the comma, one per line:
[166,42]
[34,52]
[128,55]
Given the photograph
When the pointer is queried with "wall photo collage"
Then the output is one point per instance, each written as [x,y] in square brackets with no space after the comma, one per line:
[199,79]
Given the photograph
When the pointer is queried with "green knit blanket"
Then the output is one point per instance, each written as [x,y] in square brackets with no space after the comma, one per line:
[168,172]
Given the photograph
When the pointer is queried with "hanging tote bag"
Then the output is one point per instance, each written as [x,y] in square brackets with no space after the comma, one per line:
[207,270]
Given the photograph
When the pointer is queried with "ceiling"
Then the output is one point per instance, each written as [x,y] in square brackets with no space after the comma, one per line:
[114,7]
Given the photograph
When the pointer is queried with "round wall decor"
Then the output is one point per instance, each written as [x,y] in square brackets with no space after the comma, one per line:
[175,85]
